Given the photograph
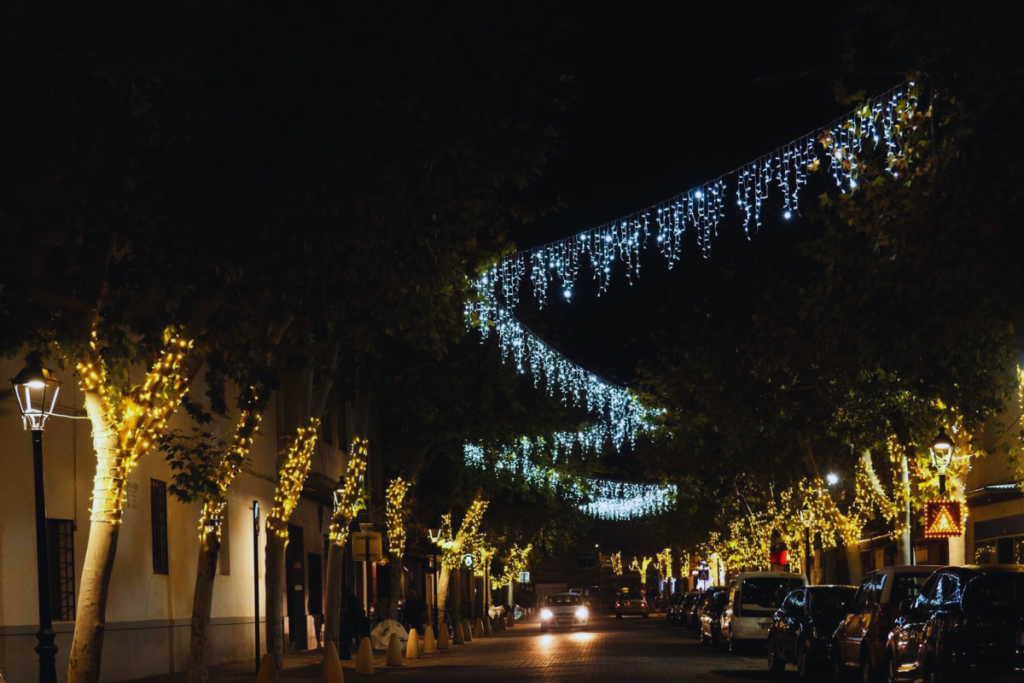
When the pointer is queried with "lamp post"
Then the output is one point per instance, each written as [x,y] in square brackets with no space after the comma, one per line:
[806,517]
[435,536]
[942,457]
[36,389]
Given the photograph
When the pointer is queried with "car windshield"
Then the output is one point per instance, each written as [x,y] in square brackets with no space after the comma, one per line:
[828,601]
[767,592]
[554,600]
[907,587]
[995,594]
[721,598]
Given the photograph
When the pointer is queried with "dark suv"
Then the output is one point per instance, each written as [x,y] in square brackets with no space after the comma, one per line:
[861,636]
[967,624]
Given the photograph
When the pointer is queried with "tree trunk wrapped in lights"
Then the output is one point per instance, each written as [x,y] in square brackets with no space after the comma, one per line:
[515,563]
[348,501]
[617,563]
[395,498]
[451,549]
[124,424]
[210,526]
[641,567]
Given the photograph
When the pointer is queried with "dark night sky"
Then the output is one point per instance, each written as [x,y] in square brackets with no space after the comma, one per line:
[666,98]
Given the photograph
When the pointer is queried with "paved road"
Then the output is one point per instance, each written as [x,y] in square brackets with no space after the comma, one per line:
[649,650]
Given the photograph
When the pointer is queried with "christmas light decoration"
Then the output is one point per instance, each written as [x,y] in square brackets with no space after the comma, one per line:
[663,563]
[641,567]
[292,477]
[515,563]
[132,419]
[211,516]
[882,125]
[348,500]
[395,497]
[451,546]
[617,563]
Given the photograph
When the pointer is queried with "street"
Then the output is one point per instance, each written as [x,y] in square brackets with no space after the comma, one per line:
[648,650]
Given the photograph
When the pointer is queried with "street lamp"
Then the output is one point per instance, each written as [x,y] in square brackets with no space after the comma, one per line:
[806,517]
[435,537]
[942,457]
[36,389]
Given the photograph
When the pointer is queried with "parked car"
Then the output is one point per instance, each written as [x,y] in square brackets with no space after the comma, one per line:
[753,599]
[690,617]
[564,610]
[710,614]
[631,604]
[861,637]
[672,612]
[966,624]
[802,629]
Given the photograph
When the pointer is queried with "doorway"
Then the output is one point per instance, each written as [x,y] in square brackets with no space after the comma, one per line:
[295,556]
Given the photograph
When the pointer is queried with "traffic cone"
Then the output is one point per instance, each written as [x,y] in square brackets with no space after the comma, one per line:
[510,620]
[443,642]
[412,646]
[429,646]
[394,651]
[364,660]
[333,672]
[268,669]
[478,628]
[458,635]
[467,631]
[487,626]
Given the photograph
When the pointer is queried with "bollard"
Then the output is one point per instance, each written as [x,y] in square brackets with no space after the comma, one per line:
[364,660]
[394,657]
[458,635]
[510,620]
[429,646]
[478,628]
[467,631]
[333,672]
[443,641]
[412,646]
[487,626]
[268,669]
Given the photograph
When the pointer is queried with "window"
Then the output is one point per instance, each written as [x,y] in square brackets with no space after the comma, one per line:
[929,599]
[563,599]
[587,562]
[158,507]
[60,554]
[907,587]
[861,601]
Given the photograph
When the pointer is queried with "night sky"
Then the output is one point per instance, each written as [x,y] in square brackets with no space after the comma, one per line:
[665,99]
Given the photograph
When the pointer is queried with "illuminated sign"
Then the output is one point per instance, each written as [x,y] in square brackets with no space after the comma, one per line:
[943,518]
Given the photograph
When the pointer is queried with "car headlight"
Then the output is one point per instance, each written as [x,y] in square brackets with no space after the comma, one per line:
[546,614]
[582,613]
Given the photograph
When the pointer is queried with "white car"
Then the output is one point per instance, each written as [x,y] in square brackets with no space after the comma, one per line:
[564,610]
[753,599]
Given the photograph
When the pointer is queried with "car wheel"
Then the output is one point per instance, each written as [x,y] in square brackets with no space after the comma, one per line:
[803,665]
[776,664]
[839,670]
[867,672]
[890,668]
[931,674]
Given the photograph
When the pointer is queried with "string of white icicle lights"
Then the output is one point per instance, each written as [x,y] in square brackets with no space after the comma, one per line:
[619,409]
[604,499]
[835,151]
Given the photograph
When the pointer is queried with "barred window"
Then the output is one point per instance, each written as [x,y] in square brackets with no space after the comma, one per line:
[158,503]
[60,553]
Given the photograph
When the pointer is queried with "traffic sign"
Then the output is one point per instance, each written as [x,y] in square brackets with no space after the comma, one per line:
[366,546]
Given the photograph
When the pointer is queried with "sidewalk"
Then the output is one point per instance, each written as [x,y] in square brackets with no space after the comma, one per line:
[306,666]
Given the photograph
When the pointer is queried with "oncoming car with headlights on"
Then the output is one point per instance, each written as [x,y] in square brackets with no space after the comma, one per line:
[564,610]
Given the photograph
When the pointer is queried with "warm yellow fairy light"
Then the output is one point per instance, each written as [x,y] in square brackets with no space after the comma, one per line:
[394,499]
[292,477]
[617,563]
[211,516]
[453,546]
[134,418]
[641,567]
[664,563]
[515,563]
[348,501]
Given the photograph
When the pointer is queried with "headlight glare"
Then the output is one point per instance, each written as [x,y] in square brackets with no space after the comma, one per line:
[582,613]
[546,614]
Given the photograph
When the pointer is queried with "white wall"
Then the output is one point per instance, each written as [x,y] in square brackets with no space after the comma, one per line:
[148,615]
